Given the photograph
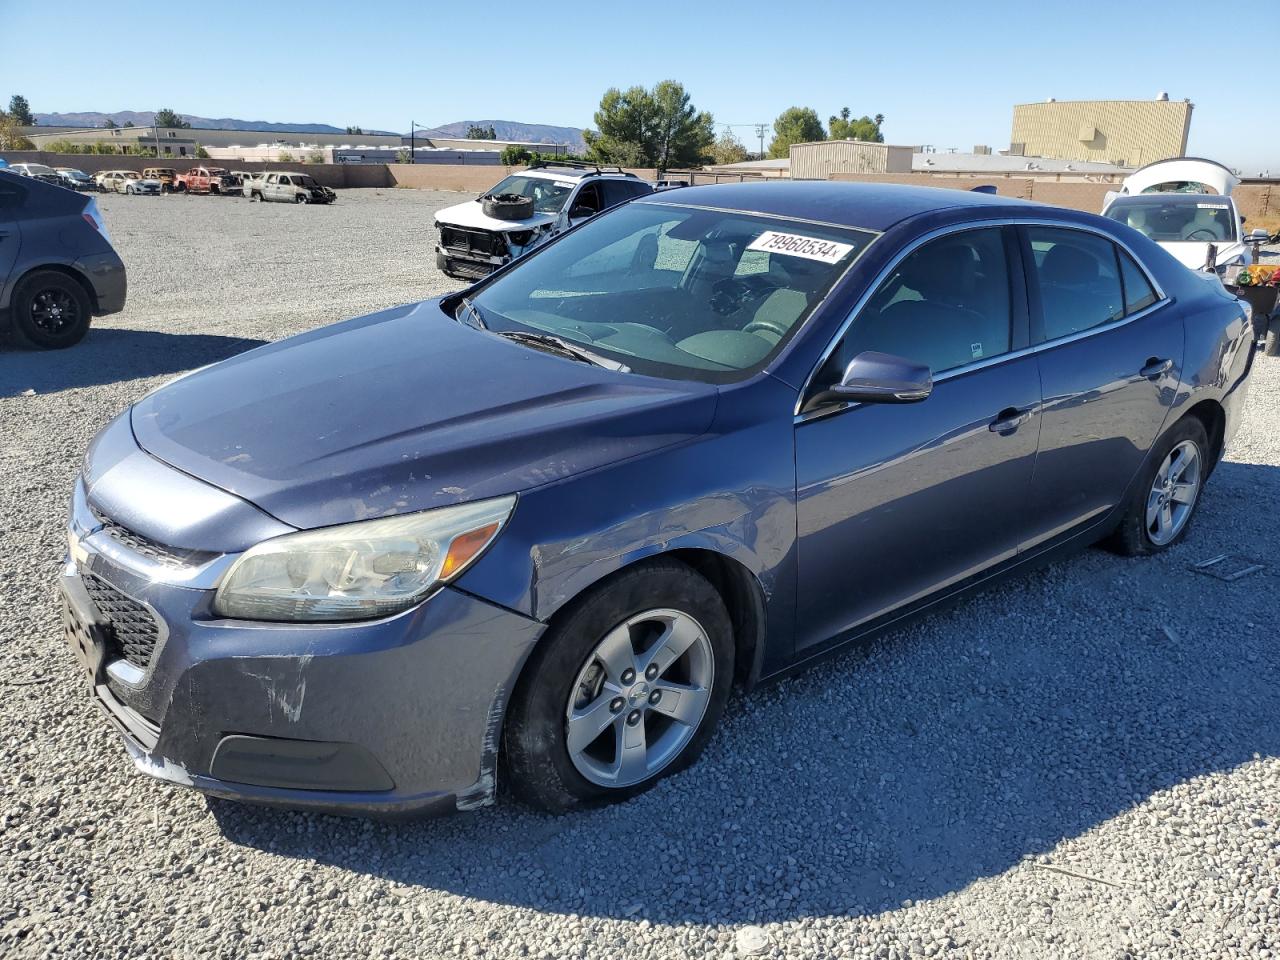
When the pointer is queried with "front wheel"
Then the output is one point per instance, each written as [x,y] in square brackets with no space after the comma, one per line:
[1165,498]
[625,690]
[301,198]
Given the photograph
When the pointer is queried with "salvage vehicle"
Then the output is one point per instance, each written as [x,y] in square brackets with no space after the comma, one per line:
[524,211]
[58,269]
[1185,205]
[214,180]
[537,529]
[76,179]
[38,171]
[290,188]
[167,176]
[127,181]
[247,181]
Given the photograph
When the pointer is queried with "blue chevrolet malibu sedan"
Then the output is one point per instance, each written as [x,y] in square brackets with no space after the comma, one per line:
[534,532]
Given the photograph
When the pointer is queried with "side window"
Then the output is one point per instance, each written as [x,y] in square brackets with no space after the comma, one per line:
[946,304]
[1078,280]
[1138,294]
[286,181]
[615,192]
[586,202]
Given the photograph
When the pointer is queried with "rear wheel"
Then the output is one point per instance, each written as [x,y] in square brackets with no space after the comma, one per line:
[51,310]
[624,691]
[1272,346]
[1160,509]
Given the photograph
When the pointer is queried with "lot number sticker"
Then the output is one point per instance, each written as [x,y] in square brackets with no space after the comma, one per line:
[795,245]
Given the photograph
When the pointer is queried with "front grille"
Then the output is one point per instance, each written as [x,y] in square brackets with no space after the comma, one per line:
[132,630]
[473,241]
[469,268]
[146,547]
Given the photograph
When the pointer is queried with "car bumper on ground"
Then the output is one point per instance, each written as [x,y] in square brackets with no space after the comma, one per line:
[389,718]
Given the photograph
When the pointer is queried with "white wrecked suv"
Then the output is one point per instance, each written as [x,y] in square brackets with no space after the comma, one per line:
[524,211]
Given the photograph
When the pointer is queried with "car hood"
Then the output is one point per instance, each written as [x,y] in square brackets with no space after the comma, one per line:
[405,410]
[1194,253]
[471,215]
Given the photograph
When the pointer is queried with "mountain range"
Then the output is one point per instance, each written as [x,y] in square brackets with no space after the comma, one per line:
[505,129]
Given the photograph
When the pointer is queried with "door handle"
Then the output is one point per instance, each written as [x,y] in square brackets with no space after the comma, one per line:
[1009,419]
[1156,368]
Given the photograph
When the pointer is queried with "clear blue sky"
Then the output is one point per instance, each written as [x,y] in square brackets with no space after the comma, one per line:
[946,74]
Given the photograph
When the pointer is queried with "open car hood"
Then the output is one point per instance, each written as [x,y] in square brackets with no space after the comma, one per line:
[1181,170]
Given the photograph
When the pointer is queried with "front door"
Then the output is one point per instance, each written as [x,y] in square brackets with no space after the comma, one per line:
[1110,366]
[10,237]
[895,502]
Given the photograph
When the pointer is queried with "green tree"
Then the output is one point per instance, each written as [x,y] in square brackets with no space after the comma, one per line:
[108,124]
[355,131]
[11,137]
[514,156]
[653,128]
[728,149]
[843,127]
[168,118]
[795,125]
[128,123]
[475,132]
[20,110]
[403,155]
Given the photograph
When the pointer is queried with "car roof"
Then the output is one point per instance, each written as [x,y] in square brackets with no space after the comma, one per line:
[870,206]
[552,172]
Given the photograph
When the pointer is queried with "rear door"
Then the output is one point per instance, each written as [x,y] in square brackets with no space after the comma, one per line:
[11,196]
[1110,362]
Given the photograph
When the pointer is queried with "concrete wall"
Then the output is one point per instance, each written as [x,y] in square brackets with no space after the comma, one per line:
[1255,199]
[467,178]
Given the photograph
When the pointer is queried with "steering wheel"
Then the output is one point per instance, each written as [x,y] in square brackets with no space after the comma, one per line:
[732,294]
[1212,237]
[770,326]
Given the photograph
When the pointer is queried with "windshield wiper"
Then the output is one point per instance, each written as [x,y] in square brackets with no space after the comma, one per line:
[566,348]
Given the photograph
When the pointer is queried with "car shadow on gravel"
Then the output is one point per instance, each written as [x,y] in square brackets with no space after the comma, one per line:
[950,751]
[111,355]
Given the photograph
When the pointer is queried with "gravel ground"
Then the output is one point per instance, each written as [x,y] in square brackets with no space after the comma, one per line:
[1084,762]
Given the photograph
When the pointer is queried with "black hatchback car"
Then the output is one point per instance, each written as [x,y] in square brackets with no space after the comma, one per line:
[58,269]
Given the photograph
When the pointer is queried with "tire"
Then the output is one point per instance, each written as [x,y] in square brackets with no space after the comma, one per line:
[1135,537]
[301,198]
[255,195]
[51,311]
[565,677]
[508,206]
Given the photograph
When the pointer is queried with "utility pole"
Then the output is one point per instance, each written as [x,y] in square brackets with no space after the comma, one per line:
[761,129]
[413,157]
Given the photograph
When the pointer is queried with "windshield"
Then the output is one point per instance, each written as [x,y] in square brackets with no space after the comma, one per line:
[548,195]
[38,168]
[304,181]
[131,175]
[1178,219]
[672,291]
[73,173]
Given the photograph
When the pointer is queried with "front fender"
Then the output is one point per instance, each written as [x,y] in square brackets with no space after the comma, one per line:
[730,492]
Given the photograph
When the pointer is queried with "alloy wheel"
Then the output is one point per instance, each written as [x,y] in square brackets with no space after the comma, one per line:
[54,311]
[640,698]
[1173,493]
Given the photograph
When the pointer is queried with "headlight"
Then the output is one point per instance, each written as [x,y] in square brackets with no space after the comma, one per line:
[359,571]
[1234,263]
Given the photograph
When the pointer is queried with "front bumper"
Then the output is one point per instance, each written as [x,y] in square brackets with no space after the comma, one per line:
[395,717]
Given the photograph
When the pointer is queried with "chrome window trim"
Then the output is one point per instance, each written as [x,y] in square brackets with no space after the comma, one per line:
[883,275]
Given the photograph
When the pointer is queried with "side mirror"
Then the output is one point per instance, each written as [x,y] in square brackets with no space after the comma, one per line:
[578,212]
[874,377]
[1258,235]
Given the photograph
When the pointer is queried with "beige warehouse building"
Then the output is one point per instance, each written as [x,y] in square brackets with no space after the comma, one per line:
[818,161]
[1130,133]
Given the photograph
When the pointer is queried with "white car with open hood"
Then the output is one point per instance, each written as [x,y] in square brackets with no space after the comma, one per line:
[1185,205]
[526,210]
